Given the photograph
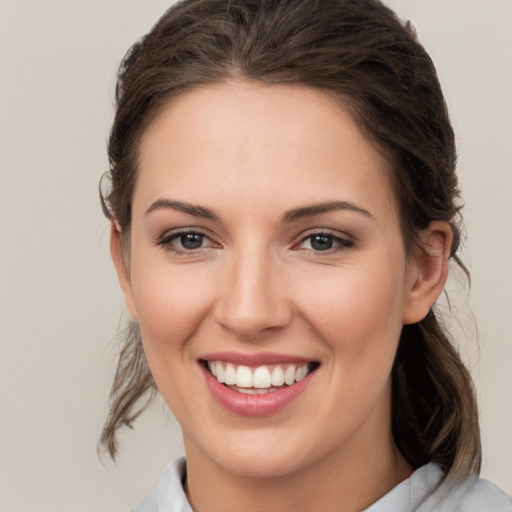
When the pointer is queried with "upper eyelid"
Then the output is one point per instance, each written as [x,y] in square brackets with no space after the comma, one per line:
[345,242]
[302,236]
[185,230]
[324,231]
[167,241]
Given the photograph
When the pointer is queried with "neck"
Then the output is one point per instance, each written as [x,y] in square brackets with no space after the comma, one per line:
[350,478]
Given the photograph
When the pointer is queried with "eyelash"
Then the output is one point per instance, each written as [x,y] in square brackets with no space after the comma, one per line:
[167,242]
[340,243]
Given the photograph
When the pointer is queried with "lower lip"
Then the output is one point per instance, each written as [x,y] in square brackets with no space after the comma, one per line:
[255,405]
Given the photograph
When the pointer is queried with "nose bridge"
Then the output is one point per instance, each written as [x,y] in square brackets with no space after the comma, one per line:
[253,299]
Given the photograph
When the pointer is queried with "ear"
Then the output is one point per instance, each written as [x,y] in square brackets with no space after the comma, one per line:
[428,271]
[123,273]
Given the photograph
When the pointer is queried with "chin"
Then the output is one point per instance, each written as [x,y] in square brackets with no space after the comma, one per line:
[258,465]
[260,456]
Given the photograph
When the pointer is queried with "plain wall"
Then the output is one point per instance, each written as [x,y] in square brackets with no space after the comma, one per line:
[59,300]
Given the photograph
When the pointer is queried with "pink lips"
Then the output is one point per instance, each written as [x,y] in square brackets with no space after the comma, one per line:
[254,359]
[249,404]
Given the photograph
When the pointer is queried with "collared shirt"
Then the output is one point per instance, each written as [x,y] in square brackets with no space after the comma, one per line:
[419,493]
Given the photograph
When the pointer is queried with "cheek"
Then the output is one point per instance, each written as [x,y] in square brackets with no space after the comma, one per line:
[355,305]
[170,302]
[358,315]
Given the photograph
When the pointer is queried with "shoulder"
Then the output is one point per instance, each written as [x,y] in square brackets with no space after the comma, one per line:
[168,494]
[479,496]
[422,493]
[148,504]
[473,495]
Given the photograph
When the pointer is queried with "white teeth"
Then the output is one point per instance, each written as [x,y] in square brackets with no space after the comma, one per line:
[254,391]
[257,380]
[262,378]
[219,372]
[248,391]
[243,377]
[289,375]
[277,376]
[230,375]
[301,372]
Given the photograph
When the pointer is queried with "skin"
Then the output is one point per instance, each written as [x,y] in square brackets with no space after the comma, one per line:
[249,154]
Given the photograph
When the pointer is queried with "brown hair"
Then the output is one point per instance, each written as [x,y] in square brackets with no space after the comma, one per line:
[359,52]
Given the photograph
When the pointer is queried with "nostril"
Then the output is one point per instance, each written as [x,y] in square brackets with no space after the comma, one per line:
[252,320]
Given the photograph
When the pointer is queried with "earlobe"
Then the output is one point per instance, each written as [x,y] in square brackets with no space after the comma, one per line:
[123,273]
[428,271]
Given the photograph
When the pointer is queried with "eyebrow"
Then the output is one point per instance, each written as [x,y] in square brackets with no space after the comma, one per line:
[289,216]
[188,208]
[317,209]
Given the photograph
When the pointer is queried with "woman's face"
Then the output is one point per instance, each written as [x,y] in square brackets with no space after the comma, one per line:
[265,244]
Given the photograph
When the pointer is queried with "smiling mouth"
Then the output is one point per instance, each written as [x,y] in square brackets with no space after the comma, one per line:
[260,379]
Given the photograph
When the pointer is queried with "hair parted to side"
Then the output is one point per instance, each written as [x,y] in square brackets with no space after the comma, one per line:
[361,54]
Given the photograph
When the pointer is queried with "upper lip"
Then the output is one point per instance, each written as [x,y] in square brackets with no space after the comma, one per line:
[256,359]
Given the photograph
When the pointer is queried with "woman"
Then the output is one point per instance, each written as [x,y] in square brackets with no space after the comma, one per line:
[283,206]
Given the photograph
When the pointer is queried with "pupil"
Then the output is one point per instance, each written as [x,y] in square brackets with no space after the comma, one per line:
[321,242]
[192,241]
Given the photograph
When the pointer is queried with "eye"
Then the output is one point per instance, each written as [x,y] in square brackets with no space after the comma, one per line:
[185,241]
[191,241]
[325,242]
[321,242]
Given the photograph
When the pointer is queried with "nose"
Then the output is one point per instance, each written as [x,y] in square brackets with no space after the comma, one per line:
[253,298]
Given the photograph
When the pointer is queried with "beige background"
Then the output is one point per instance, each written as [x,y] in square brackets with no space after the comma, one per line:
[59,300]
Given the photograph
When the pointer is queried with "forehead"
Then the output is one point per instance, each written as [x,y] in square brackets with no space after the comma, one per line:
[280,143]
